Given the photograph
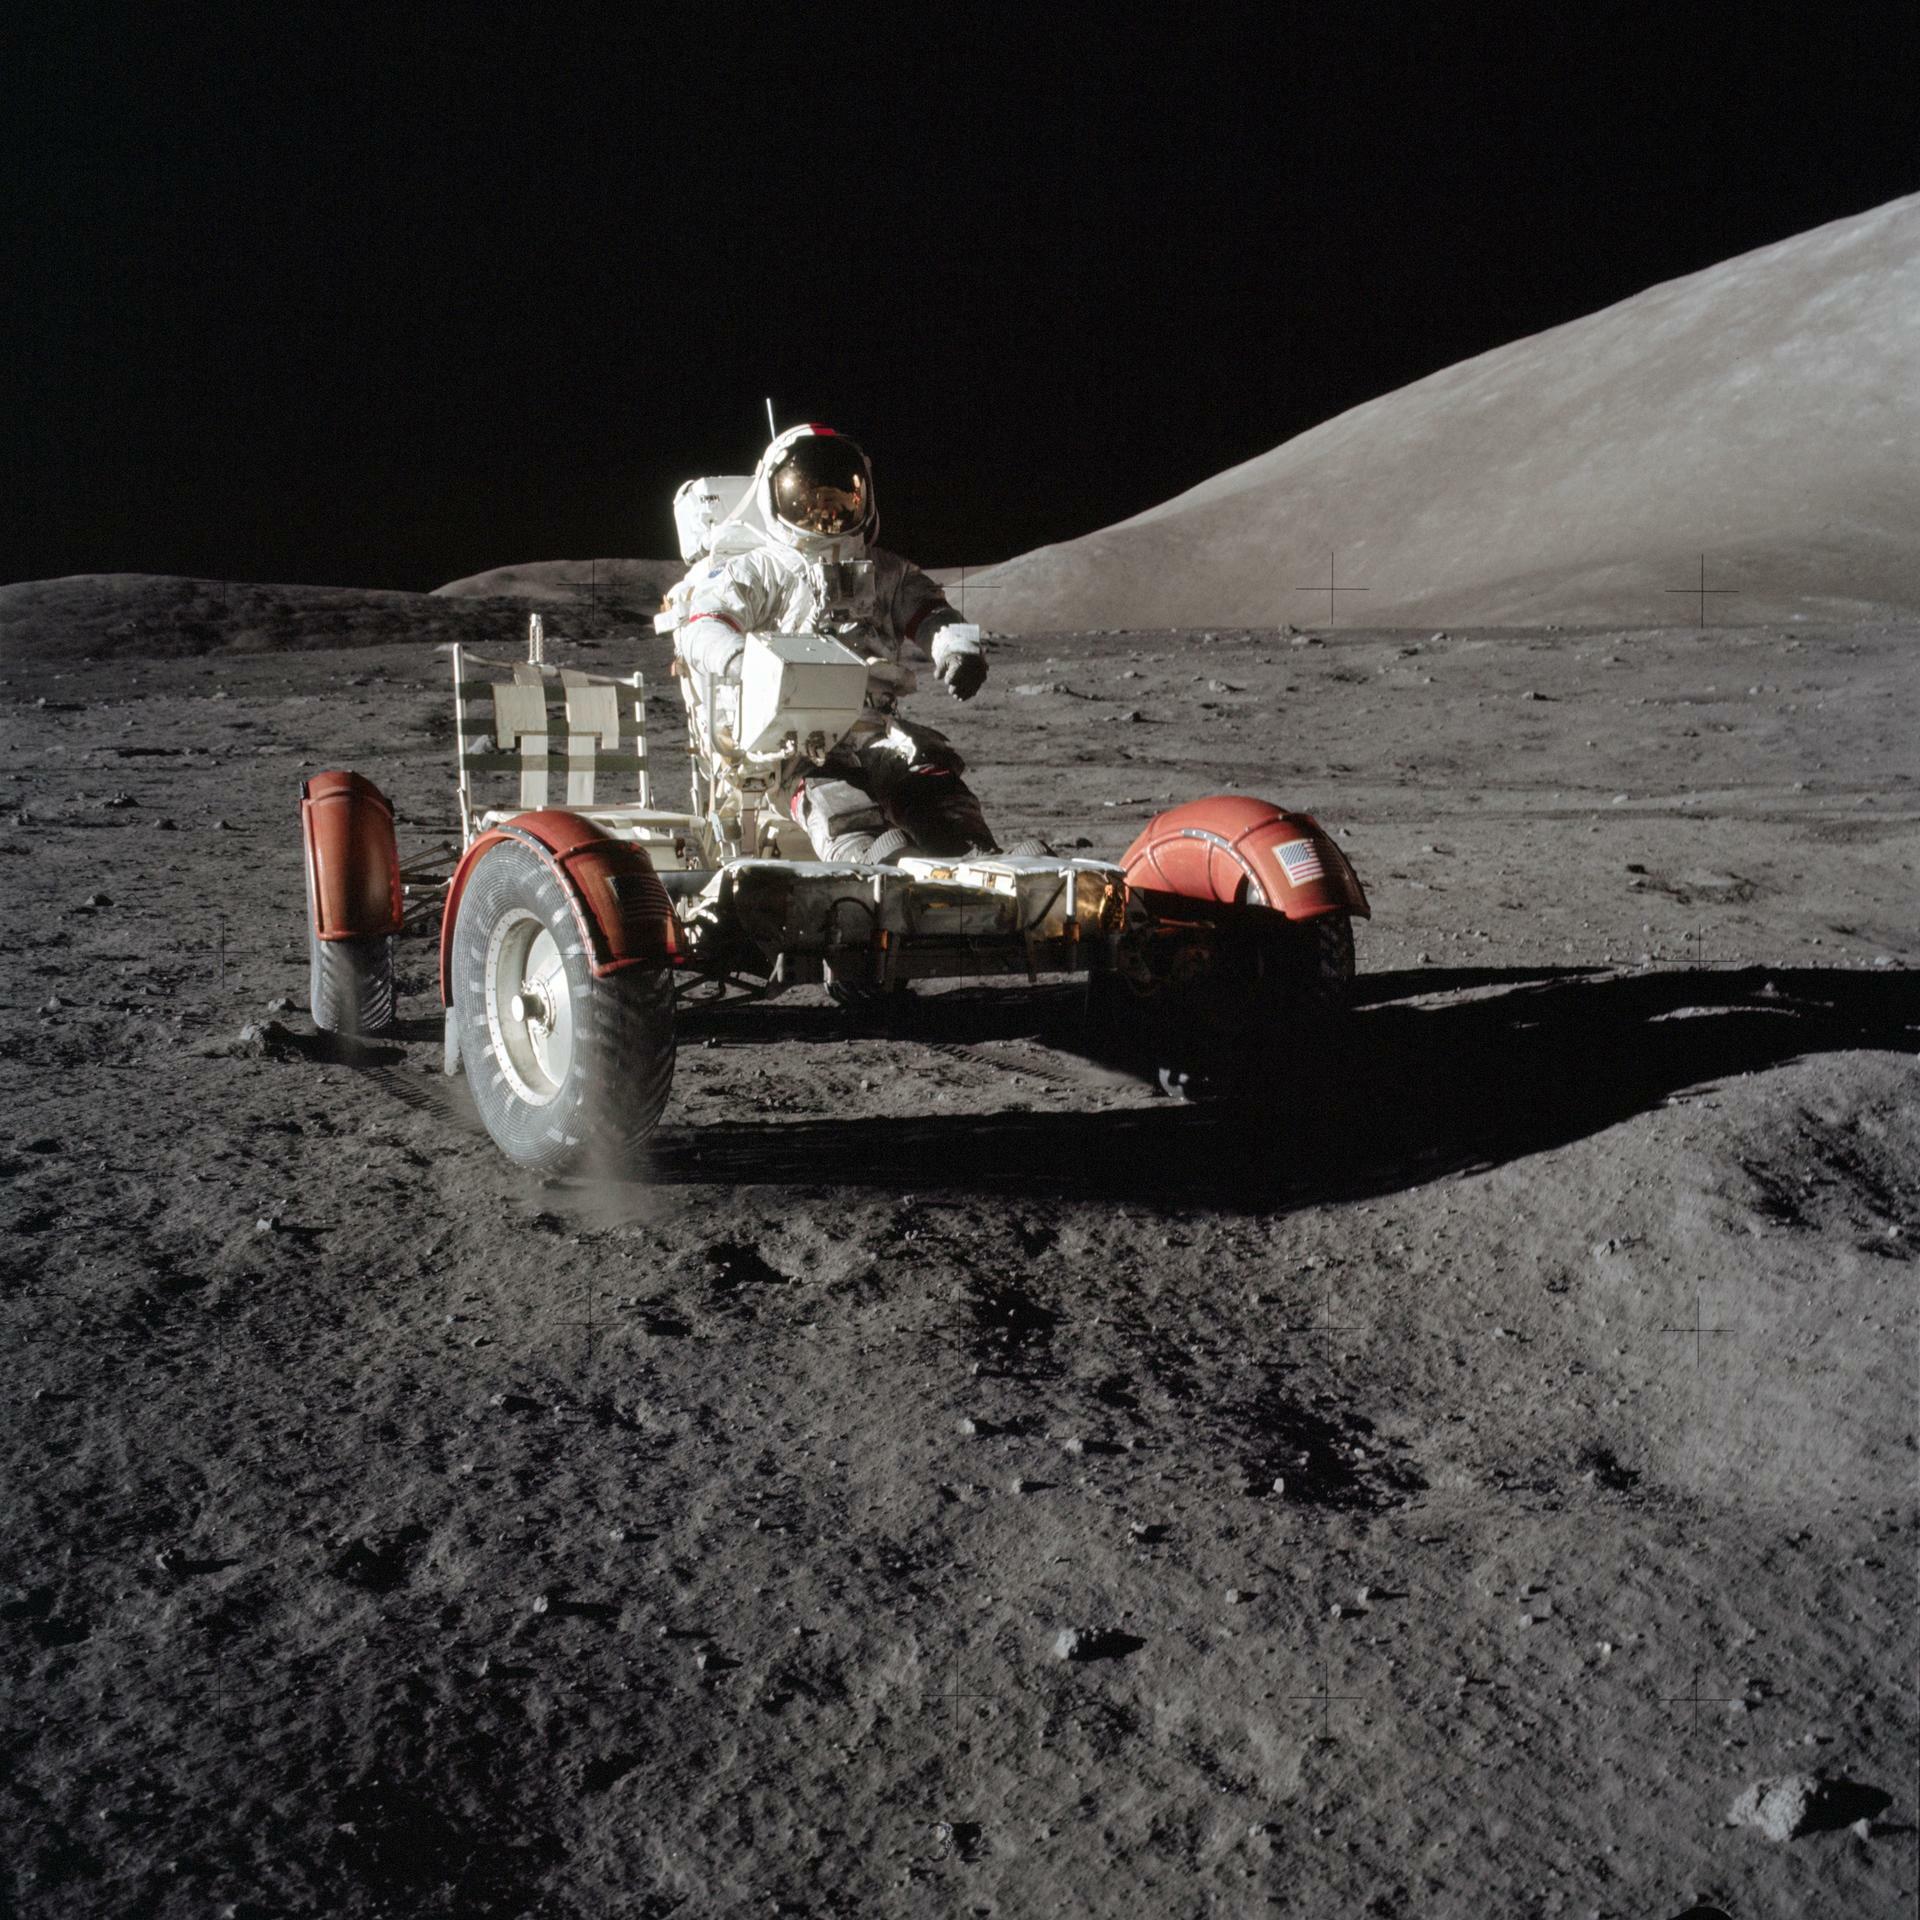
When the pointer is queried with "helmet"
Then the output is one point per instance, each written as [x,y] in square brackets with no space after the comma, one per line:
[818,489]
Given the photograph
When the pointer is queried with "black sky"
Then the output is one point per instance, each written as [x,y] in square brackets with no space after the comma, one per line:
[385,299]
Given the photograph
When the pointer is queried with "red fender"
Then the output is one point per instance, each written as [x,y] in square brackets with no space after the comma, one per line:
[622,910]
[353,859]
[1233,848]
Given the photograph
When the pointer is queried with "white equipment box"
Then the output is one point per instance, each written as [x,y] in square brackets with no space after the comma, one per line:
[798,685]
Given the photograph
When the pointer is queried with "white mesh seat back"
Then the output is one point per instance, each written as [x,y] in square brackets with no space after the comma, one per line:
[547,736]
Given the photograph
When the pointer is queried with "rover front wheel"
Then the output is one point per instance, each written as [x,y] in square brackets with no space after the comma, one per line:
[570,1072]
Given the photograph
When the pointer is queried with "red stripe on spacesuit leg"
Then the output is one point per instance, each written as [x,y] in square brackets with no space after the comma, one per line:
[726,619]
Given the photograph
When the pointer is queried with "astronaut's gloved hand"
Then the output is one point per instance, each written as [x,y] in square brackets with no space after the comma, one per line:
[959,659]
[964,674]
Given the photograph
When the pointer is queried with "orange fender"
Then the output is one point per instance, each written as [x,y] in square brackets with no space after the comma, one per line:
[1241,851]
[622,910]
[353,859]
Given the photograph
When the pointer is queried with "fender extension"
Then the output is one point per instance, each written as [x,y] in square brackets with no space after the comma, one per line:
[353,858]
[619,904]
[1238,851]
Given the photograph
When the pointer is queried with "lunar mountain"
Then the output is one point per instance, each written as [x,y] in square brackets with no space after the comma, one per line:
[1750,429]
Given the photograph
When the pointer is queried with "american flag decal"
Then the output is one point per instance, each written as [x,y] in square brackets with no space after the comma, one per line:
[1301,861]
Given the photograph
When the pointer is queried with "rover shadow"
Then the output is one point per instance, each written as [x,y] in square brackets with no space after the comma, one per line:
[1406,1094]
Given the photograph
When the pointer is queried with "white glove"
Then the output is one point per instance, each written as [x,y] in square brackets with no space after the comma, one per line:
[959,659]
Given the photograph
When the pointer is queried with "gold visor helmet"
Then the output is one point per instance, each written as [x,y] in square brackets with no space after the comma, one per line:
[822,486]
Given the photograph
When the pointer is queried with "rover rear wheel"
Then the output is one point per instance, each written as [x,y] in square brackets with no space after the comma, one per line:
[570,1072]
[350,988]
[1254,1009]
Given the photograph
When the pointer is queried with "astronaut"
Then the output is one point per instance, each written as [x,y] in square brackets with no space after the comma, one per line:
[798,555]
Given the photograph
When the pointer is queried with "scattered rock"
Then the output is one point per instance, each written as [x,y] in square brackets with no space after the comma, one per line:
[1069,1644]
[257,1040]
[1785,1807]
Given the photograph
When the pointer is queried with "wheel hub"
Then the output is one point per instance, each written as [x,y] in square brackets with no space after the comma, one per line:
[529,1007]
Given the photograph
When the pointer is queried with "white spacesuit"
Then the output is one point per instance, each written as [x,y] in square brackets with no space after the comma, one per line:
[796,555]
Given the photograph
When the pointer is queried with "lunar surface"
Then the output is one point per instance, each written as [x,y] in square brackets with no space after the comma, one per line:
[1476,1478]
[1749,429]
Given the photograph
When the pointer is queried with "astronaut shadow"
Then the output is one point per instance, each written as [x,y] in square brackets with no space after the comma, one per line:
[1410,1091]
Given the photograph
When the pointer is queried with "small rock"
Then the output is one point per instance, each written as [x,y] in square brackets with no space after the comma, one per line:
[1782,1808]
[257,1040]
[1075,1445]
[1336,1611]
[969,1428]
[94,901]
[1069,1644]
[52,1003]
[1019,1483]
[540,1603]
[1237,1595]
[1280,1484]
[118,802]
